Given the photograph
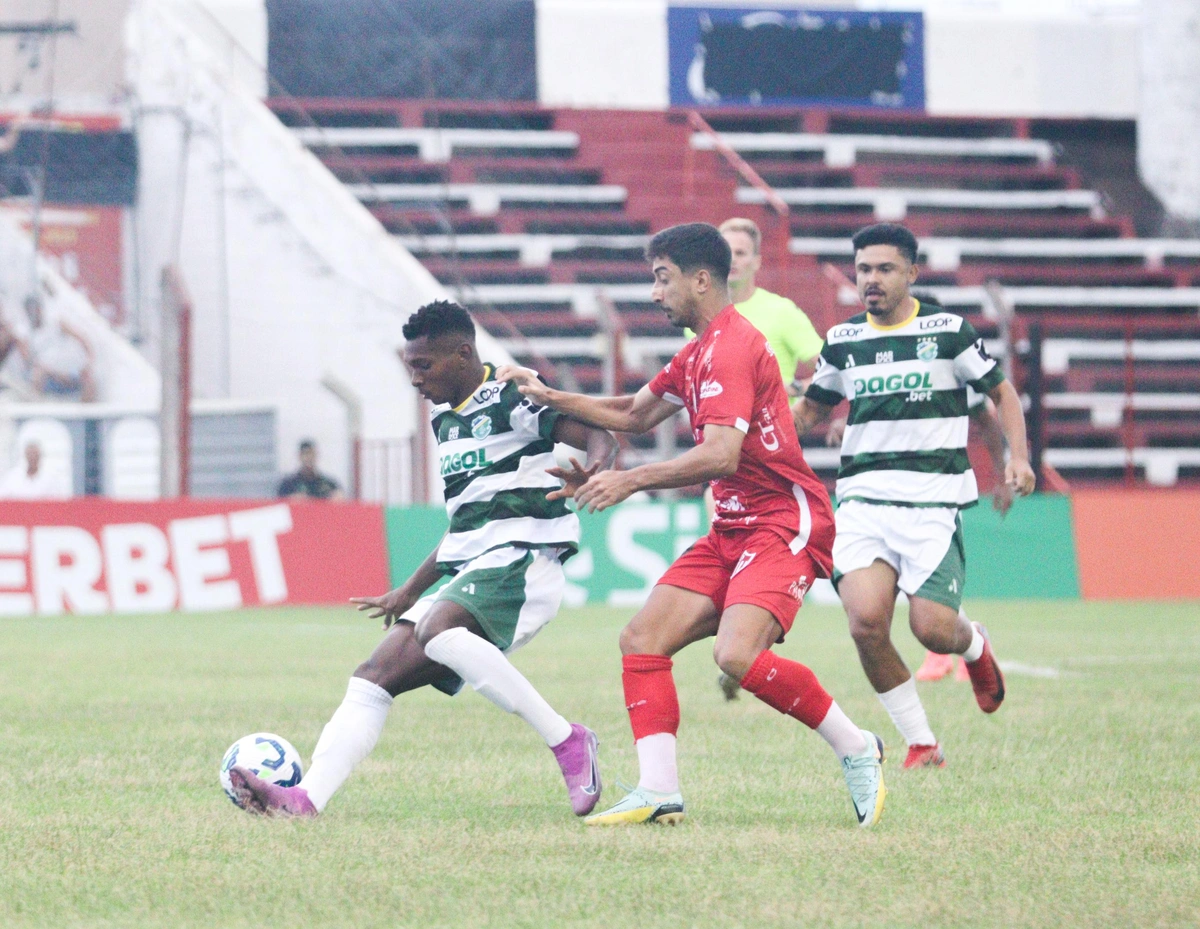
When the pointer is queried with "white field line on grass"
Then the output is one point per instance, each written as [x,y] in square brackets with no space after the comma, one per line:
[1021,669]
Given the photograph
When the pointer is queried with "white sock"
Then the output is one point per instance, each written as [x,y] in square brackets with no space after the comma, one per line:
[346,740]
[904,706]
[843,736]
[483,666]
[656,763]
[975,649]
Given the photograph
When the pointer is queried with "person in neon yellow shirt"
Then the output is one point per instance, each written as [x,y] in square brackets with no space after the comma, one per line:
[788,330]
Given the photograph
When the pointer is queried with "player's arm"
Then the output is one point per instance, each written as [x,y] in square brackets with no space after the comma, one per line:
[638,413]
[1017,473]
[988,429]
[807,413]
[601,449]
[395,603]
[716,457]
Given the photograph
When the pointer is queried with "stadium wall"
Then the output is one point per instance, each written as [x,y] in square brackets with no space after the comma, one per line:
[94,555]
[993,63]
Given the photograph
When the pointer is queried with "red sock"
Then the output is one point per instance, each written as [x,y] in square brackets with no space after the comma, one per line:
[650,695]
[789,687]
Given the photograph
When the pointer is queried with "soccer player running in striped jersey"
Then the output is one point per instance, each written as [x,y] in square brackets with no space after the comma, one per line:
[771,538]
[987,427]
[510,530]
[904,475]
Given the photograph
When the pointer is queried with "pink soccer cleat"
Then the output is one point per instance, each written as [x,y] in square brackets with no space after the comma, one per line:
[935,667]
[576,757]
[254,795]
[925,756]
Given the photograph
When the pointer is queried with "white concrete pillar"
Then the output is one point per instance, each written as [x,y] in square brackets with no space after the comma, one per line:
[1169,110]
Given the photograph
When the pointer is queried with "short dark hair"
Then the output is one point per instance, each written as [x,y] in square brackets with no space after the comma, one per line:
[887,234]
[692,246]
[307,445]
[439,318]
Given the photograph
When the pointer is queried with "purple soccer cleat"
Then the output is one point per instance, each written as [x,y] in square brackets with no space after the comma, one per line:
[576,757]
[254,795]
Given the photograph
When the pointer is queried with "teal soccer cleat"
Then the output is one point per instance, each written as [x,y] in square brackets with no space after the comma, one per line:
[864,777]
[642,806]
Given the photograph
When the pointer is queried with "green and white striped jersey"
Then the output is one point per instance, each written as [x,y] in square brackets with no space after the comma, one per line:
[494,451]
[906,436]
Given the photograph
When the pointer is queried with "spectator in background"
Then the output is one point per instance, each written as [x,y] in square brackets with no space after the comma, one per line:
[31,480]
[59,356]
[308,483]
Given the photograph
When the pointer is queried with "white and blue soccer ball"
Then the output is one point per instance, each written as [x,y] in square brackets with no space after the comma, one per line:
[269,756]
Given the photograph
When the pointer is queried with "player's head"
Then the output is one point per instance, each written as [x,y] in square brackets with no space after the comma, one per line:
[885,266]
[308,454]
[439,352]
[690,264]
[745,244]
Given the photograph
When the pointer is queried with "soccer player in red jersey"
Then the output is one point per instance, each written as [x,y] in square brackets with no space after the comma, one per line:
[771,537]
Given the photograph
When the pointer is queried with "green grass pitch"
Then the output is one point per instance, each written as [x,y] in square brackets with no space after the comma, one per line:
[1075,805]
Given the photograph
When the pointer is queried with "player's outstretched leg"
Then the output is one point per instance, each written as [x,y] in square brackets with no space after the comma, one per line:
[482,665]
[653,706]
[793,689]
[986,679]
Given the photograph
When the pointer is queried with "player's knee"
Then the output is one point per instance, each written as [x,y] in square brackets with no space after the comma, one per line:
[632,641]
[868,628]
[734,658]
[936,630]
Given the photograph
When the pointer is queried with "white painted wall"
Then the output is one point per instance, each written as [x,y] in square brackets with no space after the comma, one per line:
[1169,122]
[1052,59]
[291,278]
[602,53]
[989,64]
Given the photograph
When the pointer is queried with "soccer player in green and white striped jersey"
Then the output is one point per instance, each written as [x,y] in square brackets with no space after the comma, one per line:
[510,530]
[904,475]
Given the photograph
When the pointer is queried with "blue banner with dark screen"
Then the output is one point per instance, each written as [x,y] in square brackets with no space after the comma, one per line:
[796,57]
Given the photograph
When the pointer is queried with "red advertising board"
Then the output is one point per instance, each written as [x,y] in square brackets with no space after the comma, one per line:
[93,555]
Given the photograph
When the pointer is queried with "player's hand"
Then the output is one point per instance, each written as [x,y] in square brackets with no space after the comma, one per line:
[572,480]
[527,382]
[1002,499]
[391,606]
[608,488]
[835,432]
[1019,476]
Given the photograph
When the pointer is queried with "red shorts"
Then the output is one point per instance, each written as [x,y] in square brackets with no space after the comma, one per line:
[746,566]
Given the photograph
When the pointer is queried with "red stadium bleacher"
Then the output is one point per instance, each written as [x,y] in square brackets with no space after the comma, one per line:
[538,217]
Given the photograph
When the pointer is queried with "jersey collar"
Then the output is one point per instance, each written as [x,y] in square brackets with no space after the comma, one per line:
[899,325]
[487,376]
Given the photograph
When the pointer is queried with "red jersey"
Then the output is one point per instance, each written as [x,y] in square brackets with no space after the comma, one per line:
[729,377]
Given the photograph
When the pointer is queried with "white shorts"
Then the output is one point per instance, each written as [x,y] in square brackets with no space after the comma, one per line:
[918,542]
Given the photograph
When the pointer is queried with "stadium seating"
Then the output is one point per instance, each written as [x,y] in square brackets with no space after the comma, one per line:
[538,219]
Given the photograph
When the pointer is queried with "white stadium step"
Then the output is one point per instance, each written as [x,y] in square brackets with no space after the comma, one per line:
[1065,297]
[1057,354]
[485,199]
[890,204]
[947,254]
[535,251]
[436,145]
[1161,464]
[841,151]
